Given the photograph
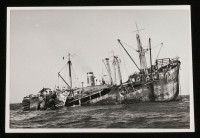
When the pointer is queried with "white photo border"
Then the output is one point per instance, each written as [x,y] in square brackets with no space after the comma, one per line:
[105,130]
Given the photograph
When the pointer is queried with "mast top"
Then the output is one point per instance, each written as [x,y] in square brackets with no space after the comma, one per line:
[69,55]
[141,51]
[137,30]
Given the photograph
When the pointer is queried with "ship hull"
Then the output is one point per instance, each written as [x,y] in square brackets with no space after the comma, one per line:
[166,88]
[102,96]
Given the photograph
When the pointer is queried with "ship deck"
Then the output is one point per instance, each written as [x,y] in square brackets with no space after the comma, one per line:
[89,93]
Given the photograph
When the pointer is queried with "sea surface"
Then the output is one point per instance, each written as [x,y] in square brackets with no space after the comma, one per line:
[174,114]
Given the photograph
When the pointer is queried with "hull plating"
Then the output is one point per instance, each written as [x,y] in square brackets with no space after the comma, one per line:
[166,88]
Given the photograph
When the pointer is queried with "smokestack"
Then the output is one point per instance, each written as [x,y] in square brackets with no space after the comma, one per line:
[90,79]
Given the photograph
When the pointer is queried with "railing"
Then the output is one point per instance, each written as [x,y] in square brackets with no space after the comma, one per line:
[162,62]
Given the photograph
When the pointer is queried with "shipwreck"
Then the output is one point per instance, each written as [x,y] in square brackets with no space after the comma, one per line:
[157,83]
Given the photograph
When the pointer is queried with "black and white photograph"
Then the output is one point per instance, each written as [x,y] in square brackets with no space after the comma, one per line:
[99,69]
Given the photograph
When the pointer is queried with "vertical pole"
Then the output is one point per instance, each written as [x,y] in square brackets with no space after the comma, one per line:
[151,85]
[70,75]
[157,63]
[114,68]
[150,56]
[114,71]
[109,72]
[119,73]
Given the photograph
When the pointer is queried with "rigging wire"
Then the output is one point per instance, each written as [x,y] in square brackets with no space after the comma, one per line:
[153,46]
[66,76]
[76,78]
[105,65]
[161,44]
[159,51]
[143,46]
[157,45]
[129,45]
[102,71]
[63,67]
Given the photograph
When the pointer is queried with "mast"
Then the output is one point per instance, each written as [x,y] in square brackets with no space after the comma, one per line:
[109,71]
[141,51]
[143,64]
[150,55]
[114,68]
[128,54]
[118,68]
[70,75]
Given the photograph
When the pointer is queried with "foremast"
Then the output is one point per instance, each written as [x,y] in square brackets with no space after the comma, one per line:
[69,63]
[141,51]
[70,74]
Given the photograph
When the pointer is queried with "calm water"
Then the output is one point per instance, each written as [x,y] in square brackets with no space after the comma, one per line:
[173,114]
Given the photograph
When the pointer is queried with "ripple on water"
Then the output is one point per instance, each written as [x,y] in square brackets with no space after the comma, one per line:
[138,115]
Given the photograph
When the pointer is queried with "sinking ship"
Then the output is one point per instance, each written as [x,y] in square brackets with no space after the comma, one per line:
[89,95]
[69,95]
[157,83]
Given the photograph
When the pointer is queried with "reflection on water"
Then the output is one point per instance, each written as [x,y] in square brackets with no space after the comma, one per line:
[173,114]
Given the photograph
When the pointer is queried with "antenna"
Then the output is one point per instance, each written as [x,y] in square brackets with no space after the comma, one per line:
[138,30]
[71,55]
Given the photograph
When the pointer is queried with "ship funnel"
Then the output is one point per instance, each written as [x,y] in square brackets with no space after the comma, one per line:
[90,79]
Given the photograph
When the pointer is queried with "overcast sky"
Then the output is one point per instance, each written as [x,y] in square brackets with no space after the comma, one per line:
[40,38]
